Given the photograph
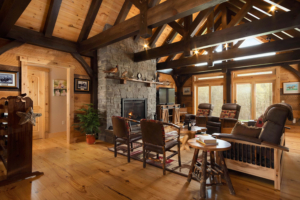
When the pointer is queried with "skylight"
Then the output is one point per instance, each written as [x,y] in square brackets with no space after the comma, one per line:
[250,42]
[255,73]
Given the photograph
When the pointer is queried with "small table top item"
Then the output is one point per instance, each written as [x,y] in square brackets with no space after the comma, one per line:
[222,145]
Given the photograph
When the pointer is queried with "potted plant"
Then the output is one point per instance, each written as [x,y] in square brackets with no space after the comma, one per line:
[89,122]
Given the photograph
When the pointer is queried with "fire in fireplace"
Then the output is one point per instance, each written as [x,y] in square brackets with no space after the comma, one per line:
[134,108]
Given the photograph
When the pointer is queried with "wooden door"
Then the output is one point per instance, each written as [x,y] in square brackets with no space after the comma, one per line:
[37,92]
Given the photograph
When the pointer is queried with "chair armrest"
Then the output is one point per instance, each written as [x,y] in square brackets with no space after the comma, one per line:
[170,124]
[275,146]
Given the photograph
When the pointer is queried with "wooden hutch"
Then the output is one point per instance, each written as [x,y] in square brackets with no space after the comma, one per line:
[168,113]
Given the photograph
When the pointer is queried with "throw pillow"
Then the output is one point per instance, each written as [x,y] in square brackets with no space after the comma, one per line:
[202,112]
[260,122]
[228,114]
[242,129]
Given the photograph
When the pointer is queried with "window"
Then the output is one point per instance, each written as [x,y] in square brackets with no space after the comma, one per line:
[209,89]
[254,91]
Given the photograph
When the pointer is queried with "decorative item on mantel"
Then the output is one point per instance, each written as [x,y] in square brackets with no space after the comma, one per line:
[124,74]
[111,71]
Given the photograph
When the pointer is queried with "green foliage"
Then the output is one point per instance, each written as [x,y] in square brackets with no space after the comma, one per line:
[89,120]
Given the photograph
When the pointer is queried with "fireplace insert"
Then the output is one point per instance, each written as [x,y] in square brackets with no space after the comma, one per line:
[134,108]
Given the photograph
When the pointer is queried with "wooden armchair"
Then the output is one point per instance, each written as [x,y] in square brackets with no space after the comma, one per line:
[261,156]
[154,140]
[123,134]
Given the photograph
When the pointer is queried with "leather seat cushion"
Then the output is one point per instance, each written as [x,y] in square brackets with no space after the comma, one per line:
[216,124]
[158,149]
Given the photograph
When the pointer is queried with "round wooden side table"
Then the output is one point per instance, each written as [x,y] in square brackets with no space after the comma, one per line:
[189,134]
[211,168]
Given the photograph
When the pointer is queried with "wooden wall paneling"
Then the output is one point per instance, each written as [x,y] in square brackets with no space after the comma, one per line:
[107,14]
[70,105]
[10,45]
[34,16]
[70,19]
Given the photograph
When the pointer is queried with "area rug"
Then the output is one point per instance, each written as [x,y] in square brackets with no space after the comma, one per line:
[171,164]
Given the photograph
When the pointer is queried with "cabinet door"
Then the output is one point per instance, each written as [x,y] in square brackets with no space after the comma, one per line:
[176,115]
[165,114]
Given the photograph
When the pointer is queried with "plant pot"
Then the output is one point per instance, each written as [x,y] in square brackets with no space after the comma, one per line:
[90,139]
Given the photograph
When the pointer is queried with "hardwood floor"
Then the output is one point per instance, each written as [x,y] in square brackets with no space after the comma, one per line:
[81,171]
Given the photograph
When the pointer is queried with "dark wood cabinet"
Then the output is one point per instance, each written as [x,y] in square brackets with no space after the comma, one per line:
[168,113]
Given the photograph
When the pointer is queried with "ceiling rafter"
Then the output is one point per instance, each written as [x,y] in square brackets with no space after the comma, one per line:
[124,12]
[10,12]
[156,35]
[128,28]
[279,59]
[89,20]
[280,22]
[52,17]
[277,46]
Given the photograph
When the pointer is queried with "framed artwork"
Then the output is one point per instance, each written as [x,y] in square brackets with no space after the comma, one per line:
[59,88]
[291,88]
[9,79]
[81,85]
[186,91]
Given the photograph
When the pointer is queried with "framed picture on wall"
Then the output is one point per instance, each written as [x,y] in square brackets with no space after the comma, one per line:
[9,79]
[291,88]
[59,88]
[81,85]
[186,91]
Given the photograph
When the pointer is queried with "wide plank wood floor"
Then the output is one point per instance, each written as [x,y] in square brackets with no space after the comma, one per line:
[81,171]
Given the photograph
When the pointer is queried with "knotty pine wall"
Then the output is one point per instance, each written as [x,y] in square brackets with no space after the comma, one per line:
[11,58]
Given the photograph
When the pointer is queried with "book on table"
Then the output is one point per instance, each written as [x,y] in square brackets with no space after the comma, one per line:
[206,140]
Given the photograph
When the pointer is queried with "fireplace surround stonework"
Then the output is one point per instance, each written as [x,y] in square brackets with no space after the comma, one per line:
[110,92]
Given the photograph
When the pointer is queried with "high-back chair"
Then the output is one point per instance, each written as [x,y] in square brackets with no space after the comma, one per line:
[260,150]
[154,140]
[123,135]
[229,116]
[204,111]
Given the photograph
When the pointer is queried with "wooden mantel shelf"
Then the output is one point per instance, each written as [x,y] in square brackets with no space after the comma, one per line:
[124,80]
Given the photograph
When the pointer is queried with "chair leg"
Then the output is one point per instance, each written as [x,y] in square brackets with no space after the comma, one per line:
[157,156]
[115,141]
[128,152]
[164,162]
[131,146]
[144,157]
[179,157]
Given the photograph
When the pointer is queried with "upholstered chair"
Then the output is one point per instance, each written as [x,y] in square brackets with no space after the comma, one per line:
[156,140]
[123,134]
[229,116]
[260,149]
[204,111]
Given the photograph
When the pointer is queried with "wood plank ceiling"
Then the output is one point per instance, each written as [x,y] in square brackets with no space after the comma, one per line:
[72,15]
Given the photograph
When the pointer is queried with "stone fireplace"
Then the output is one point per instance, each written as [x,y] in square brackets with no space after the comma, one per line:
[134,108]
[111,93]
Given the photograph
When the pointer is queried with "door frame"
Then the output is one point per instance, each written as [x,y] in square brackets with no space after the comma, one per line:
[32,61]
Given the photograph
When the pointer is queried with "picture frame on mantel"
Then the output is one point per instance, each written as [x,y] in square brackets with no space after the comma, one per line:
[187,91]
[291,88]
[82,85]
[9,79]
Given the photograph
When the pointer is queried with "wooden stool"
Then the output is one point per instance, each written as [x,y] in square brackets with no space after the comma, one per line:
[209,169]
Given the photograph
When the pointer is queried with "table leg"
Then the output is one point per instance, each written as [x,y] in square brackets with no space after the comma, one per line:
[193,165]
[212,164]
[226,175]
[203,175]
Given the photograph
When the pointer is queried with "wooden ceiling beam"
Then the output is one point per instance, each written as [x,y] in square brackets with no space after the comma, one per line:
[291,69]
[38,39]
[10,45]
[277,46]
[278,59]
[10,12]
[89,20]
[186,37]
[177,27]
[199,21]
[52,17]
[280,22]
[87,68]
[124,12]
[156,35]
[157,16]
